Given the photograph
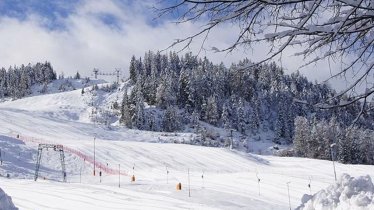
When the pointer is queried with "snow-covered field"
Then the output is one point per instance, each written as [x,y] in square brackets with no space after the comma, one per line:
[219,178]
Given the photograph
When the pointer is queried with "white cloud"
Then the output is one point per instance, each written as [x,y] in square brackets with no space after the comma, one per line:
[87,42]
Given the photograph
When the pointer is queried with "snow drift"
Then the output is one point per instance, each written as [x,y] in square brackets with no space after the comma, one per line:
[347,193]
[6,201]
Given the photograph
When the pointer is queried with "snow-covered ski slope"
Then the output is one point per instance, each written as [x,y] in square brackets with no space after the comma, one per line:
[219,178]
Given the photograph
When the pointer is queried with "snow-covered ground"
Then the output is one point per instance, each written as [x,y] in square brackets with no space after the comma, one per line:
[6,201]
[219,178]
[348,193]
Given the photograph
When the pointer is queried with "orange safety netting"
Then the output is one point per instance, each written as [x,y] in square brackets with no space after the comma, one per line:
[78,153]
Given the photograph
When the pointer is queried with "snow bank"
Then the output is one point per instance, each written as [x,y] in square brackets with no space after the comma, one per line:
[6,201]
[347,193]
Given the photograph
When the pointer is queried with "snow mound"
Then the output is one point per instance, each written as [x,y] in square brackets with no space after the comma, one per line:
[347,193]
[6,201]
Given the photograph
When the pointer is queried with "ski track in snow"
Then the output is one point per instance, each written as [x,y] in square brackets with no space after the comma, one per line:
[229,182]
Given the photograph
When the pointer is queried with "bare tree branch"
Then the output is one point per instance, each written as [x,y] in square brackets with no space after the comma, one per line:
[324,30]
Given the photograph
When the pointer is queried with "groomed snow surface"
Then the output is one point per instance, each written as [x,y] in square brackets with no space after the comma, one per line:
[219,178]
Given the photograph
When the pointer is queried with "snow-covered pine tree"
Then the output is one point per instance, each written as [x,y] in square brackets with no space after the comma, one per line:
[25,83]
[152,122]
[241,116]
[225,118]
[2,83]
[203,111]
[132,69]
[77,76]
[366,146]
[195,121]
[17,81]
[344,149]
[125,118]
[183,89]
[254,117]
[279,128]
[170,120]
[138,118]
[300,139]
[332,133]
[165,95]
[212,110]
[312,143]
[321,136]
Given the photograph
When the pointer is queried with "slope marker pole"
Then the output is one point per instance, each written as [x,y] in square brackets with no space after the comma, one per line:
[167,175]
[258,182]
[309,185]
[119,175]
[202,178]
[189,186]
[94,171]
[80,175]
[289,198]
[332,158]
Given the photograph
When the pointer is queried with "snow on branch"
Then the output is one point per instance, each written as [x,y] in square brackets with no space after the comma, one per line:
[323,30]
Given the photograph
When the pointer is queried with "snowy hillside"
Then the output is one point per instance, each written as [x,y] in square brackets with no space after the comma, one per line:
[219,178]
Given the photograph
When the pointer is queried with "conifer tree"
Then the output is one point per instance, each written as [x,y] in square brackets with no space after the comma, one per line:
[133,69]
[225,117]
[302,131]
[170,121]
[138,118]
[241,116]
[212,111]
[125,111]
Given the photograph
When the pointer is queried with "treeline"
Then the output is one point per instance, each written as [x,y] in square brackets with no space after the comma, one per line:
[189,90]
[328,140]
[16,82]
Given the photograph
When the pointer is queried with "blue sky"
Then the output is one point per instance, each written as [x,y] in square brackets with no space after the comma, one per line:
[51,10]
[79,35]
[55,11]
